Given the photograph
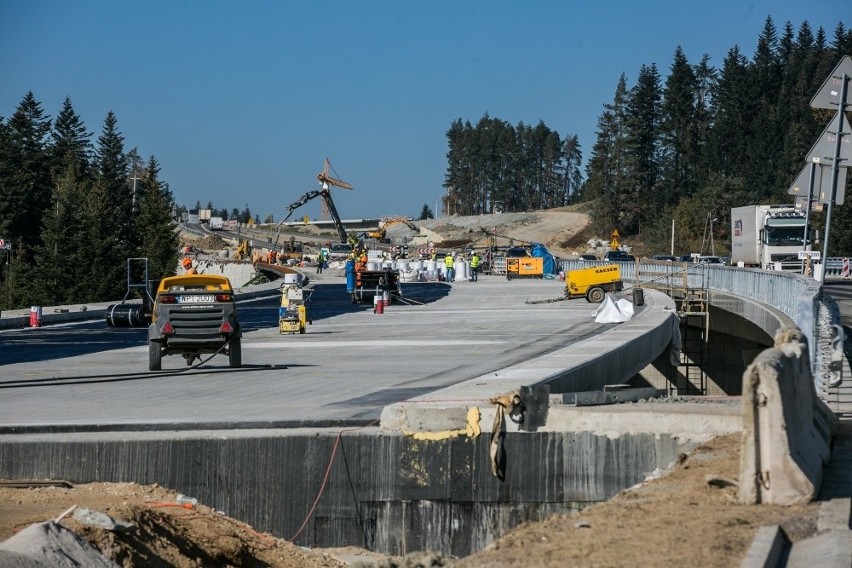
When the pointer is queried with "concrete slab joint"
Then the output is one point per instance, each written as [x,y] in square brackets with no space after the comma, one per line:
[786,428]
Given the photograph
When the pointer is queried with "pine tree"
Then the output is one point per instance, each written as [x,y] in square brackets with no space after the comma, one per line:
[159,241]
[643,140]
[62,259]
[573,154]
[25,183]
[426,213]
[679,132]
[607,171]
[71,143]
[728,147]
[110,214]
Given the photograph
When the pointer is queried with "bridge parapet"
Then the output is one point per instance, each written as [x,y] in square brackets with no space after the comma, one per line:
[798,297]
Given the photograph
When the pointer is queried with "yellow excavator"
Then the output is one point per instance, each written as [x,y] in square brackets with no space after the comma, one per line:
[388,222]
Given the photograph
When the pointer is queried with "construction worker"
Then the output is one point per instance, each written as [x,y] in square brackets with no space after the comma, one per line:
[187,266]
[360,266]
[320,261]
[450,267]
[474,266]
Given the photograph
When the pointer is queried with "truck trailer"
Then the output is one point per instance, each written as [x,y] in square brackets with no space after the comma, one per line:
[767,236]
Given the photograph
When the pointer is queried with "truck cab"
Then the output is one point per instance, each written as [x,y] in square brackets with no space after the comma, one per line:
[767,236]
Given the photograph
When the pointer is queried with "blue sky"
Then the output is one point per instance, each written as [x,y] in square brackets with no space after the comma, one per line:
[242,101]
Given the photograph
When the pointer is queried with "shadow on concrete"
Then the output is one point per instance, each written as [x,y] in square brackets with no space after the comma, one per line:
[83,338]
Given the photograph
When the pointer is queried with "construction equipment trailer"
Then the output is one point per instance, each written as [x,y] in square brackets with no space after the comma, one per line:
[593,283]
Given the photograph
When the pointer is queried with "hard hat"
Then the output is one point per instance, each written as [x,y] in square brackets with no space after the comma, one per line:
[187,263]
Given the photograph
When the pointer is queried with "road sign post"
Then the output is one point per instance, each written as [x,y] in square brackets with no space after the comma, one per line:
[831,147]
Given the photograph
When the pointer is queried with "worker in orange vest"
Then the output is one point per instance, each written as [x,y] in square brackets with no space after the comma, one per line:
[187,266]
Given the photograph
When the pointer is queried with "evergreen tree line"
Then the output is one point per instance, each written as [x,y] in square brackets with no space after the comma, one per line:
[691,146]
[495,166]
[685,148]
[244,216]
[74,212]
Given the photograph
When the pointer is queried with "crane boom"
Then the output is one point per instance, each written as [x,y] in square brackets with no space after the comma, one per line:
[324,178]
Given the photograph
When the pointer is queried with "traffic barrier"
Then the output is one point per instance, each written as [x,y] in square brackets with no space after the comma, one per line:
[787,430]
[35,316]
[845,272]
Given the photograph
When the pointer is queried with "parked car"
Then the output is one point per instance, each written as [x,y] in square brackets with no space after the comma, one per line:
[664,257]
[618,256]
[710,260]
[588,258]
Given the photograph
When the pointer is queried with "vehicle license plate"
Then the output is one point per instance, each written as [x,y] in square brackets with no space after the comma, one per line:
[196,299]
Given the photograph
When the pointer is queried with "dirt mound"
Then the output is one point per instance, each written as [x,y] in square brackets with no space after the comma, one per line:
[164,532]
[552,227]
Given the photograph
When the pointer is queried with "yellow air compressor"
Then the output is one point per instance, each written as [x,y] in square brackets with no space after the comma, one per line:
[525,267]
[293,313]
[593,283]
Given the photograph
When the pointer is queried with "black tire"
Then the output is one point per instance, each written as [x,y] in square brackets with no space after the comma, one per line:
[235,354]
[155,356]
[595,295]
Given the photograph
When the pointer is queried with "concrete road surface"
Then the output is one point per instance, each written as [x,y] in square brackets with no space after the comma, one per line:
[345,369]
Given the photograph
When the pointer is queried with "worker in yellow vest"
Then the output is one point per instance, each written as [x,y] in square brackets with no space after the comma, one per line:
[474,266]
[450,267]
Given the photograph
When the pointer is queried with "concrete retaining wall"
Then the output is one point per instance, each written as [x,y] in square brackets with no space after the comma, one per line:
[386,491]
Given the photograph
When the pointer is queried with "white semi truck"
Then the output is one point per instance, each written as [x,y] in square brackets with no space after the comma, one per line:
[767,236]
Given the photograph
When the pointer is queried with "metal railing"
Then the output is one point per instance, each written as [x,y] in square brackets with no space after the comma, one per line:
[798,297]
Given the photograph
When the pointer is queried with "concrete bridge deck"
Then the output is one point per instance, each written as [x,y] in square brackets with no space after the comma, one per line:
[462,343]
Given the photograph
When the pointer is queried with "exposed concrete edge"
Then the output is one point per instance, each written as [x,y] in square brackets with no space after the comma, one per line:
[696,422]
[831,549]
[768,549]
[610,357]
[834,514]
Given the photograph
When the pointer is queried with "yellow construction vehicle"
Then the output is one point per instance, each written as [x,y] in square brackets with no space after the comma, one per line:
[593,283]
[243,251]
[293,313]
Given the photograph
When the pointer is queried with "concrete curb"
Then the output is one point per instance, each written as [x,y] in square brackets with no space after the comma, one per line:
[768,549]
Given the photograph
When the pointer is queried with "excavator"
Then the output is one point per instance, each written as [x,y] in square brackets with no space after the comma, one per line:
[326,181]
[388,222]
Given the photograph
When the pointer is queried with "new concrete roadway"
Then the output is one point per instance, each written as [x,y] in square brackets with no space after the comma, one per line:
[348,366]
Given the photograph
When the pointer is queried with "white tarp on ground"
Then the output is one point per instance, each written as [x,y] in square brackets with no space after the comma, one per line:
[613,311]
[50,545]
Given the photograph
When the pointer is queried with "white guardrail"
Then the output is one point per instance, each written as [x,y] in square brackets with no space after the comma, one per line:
[797,296]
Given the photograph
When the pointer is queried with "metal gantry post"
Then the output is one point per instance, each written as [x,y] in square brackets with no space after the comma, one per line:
[835,167]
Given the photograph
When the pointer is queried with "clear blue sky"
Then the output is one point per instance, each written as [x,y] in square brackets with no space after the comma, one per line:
[241,101]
